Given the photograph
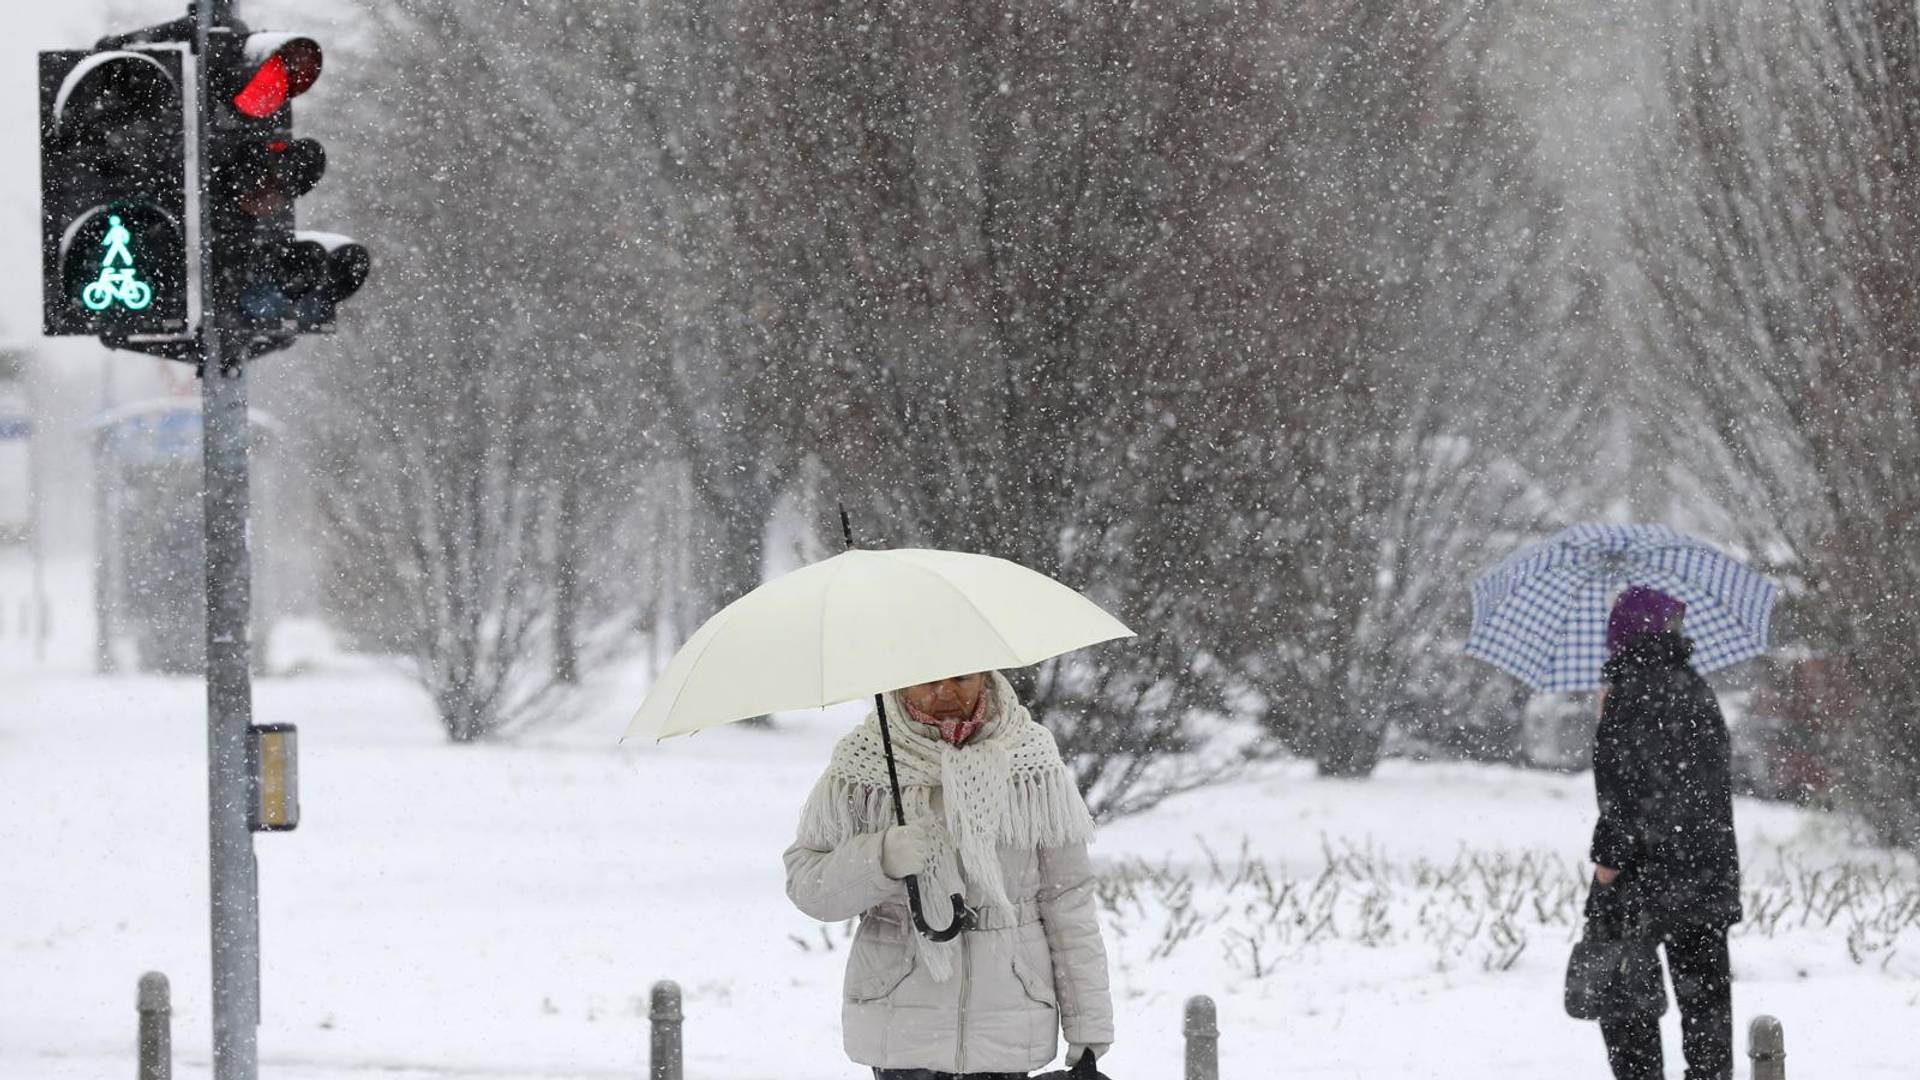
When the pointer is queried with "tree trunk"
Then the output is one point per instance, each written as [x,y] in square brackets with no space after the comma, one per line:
[727,565]
[1349,750]
[566,580]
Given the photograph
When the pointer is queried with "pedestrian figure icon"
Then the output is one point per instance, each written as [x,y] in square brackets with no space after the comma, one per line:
[116,243]
[121,282]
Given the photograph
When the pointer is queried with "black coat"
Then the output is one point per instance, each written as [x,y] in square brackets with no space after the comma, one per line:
[1663,773]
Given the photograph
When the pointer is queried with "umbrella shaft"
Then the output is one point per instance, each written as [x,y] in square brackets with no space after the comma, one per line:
[893,773]
[962,918]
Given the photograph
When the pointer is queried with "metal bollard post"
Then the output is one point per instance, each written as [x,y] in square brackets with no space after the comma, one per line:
[665,1014]
[1203,1039]
[1767,1049]
[156,1028]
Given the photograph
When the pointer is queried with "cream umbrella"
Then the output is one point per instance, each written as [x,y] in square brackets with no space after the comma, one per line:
[865,622]
[862,623]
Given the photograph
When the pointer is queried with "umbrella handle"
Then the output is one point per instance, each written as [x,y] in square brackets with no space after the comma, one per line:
[962,917]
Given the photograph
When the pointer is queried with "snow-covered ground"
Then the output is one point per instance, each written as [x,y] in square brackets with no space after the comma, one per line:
[500,911]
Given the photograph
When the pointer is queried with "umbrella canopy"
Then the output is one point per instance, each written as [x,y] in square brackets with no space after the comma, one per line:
[1541,613]
[861,623]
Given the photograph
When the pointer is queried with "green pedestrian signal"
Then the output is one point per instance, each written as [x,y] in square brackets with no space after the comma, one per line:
[114,266]
[113,191]
[117,283]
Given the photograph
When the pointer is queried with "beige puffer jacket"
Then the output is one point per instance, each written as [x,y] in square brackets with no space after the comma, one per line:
[1019,983]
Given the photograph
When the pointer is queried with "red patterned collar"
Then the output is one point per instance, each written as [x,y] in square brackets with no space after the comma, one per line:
[956,732]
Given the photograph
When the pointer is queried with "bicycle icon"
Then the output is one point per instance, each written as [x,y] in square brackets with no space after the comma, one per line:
[120,283]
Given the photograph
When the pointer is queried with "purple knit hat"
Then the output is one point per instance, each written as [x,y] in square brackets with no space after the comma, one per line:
[1640,610]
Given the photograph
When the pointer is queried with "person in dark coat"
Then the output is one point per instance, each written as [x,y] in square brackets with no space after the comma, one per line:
[1666,861]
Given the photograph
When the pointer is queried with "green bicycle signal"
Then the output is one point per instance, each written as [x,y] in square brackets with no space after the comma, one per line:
[117,283]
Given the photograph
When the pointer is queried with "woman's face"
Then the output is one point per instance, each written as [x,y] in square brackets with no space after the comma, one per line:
[948,699]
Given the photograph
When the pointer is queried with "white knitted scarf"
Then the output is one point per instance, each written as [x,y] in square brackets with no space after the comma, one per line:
[1006,787]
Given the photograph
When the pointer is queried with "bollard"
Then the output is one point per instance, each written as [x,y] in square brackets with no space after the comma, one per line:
[1767,1049]
[156,1028]
[666,1016]
[1203,1039]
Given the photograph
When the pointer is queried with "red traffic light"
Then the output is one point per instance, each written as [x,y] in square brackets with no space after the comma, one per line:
[284,66]
[266,92]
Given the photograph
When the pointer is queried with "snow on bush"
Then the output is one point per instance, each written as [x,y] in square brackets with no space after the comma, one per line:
[1485,907]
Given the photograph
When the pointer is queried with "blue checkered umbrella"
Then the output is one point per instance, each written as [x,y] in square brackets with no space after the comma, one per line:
[1541,614]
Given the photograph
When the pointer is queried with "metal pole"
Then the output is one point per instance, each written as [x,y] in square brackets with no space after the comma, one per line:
[664,1062]
[1767,1049]
[223,396]
[156,1028]
[1203,1039]
[102,535]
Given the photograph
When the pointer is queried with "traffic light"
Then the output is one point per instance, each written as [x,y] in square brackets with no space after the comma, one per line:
[273,278]
[346,265]
[113,191]
[116,209]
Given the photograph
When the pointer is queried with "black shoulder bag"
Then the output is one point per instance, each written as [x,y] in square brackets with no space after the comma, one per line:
[1612,974]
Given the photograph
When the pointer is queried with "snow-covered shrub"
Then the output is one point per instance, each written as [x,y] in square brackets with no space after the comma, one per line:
[1484,909]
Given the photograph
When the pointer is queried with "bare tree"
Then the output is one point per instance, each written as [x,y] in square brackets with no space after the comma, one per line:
[473,432]
[1472,414]
[1133,297]
[1780,249]
[1179,304]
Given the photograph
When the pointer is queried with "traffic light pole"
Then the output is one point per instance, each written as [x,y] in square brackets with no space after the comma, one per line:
[223,394]
[235,876]
[130,130]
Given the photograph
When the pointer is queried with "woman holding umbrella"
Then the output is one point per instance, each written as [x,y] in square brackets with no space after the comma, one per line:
[948,779]
[1602,606]
[1665,858]
[990,812]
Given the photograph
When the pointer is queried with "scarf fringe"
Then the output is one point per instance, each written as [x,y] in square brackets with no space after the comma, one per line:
[1046,812]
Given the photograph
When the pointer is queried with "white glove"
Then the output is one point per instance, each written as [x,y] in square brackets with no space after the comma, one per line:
[903,850]
[1075,1051]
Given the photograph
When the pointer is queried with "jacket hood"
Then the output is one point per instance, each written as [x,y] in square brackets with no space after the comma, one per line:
[1663,649]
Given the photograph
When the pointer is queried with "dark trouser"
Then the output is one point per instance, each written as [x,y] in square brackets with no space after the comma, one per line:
[1703,983]
[929,1074]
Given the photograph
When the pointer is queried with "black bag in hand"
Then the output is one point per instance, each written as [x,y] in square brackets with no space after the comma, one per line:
[1084,1069]
[1613,975]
